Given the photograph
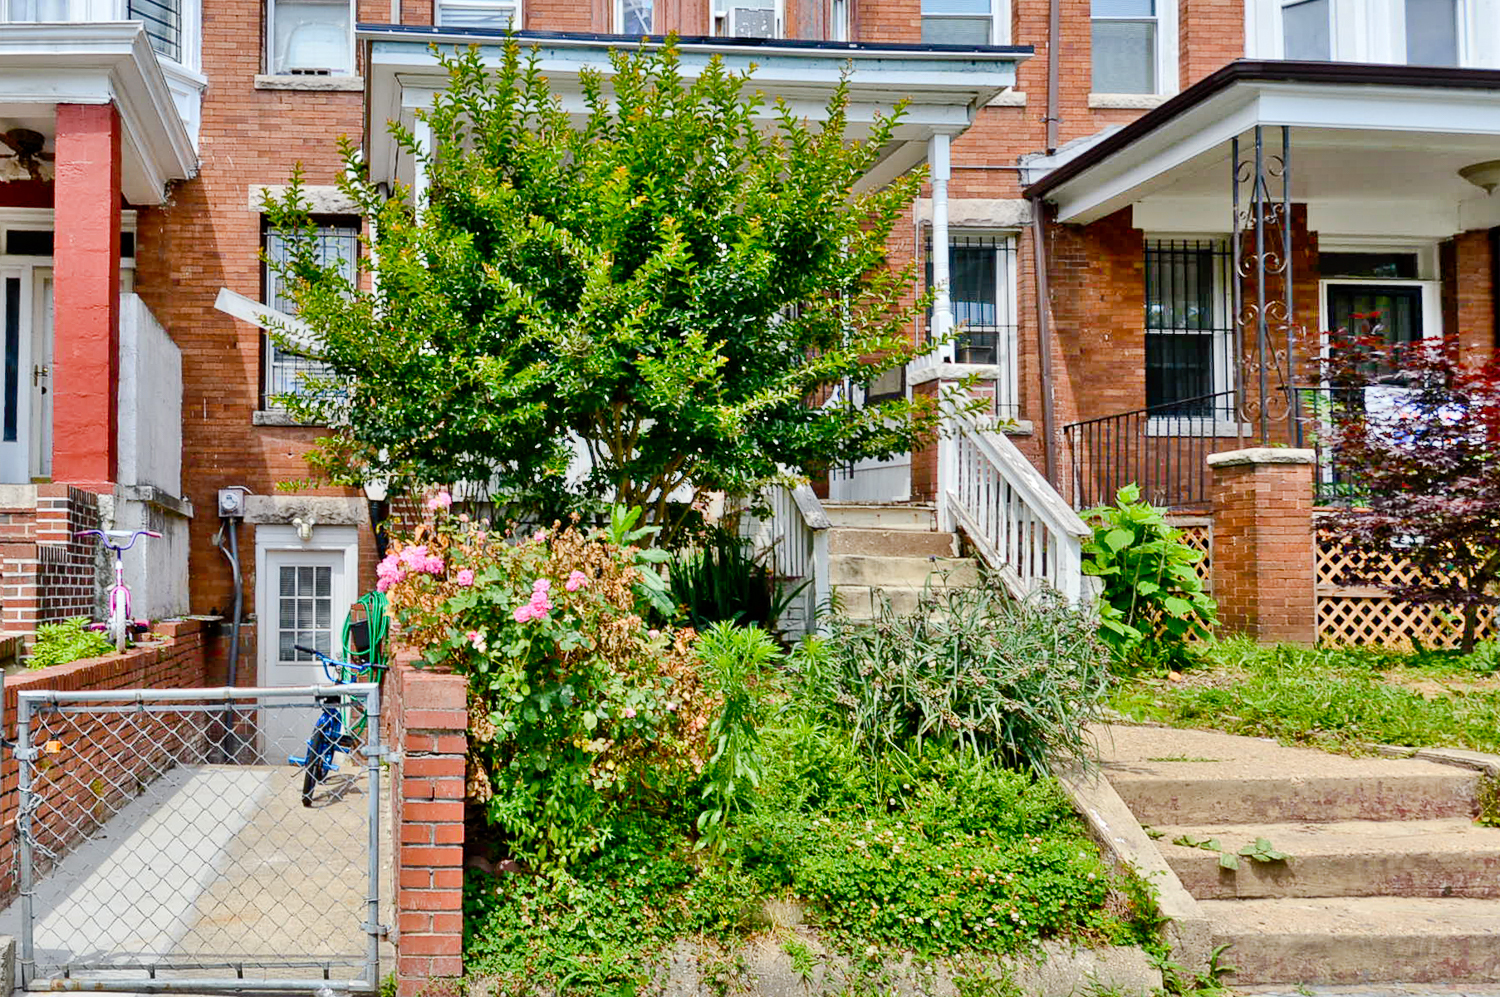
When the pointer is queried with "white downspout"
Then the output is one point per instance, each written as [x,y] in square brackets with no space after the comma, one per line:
[942,304]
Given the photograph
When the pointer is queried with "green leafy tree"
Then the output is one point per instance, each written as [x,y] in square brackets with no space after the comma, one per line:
[661,280]
[1152,591]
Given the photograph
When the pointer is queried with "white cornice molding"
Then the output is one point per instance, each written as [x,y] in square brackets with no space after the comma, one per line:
[101,63]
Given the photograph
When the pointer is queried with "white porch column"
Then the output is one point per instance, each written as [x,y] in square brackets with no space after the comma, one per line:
[422,132]
[942,305]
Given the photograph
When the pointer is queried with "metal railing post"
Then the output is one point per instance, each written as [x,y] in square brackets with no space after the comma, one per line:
[27,959]
[374,755]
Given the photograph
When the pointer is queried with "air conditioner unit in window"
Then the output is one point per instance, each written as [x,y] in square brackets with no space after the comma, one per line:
[752,22]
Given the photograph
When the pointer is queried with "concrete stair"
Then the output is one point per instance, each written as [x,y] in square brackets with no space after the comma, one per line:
[1388,879]
[888,554]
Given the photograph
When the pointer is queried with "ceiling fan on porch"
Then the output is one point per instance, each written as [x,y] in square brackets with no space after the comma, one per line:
[26,160]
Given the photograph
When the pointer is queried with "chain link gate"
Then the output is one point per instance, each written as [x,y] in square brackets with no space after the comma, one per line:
[164,843]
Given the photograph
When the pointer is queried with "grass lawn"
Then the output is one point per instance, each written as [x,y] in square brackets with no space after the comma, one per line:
[1331,698]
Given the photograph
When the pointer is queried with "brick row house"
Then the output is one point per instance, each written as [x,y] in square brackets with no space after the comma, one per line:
[1146,138]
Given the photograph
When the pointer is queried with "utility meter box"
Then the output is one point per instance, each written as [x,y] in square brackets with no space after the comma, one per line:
[232,503]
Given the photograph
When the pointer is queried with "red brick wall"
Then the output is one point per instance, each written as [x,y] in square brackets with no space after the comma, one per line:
[1209,35]
[1467,268]
[48,573]
[94,752]
[429,728]
[1263,544]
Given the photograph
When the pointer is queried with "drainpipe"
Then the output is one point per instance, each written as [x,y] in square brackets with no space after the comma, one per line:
[1054,31]
[1044,336]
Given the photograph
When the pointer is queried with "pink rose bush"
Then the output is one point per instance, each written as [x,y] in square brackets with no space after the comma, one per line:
[578,705]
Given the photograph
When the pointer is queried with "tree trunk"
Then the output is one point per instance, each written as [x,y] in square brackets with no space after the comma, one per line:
[1471,627]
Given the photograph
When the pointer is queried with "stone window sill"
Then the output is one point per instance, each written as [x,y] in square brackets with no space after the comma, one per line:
[324,84]
[1126,101]
[1009,98]
[276,417]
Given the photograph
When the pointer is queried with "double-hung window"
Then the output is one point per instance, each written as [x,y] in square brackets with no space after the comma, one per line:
[747,18]
[287,372]
[1189,329]
[961,22]
[498,15]
[1125,46]
[1307,30]
[635,17]
[310,37]
[982,294]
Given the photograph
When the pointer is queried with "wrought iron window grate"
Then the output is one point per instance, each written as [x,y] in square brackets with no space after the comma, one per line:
[163,21]
[982,290]
[1189,328]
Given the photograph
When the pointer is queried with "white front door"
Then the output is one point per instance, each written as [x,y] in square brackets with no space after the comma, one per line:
[303,594]
[16,306]
[41,373]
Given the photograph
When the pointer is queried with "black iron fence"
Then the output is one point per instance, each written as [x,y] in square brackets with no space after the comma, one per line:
[1164,448]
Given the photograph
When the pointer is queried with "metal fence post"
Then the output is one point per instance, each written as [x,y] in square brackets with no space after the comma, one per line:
[374,754]
[27,958]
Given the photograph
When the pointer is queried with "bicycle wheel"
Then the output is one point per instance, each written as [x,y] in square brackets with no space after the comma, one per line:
[316,769]
[119,625]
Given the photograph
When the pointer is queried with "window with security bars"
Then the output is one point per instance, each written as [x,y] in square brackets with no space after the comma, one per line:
[982,291]
[304,611]
[286,372]
[1189,328]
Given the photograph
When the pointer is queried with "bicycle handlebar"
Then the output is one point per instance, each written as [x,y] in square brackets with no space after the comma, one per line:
[327,662]
[108,536]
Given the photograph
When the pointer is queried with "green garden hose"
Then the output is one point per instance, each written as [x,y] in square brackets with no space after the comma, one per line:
[375,608]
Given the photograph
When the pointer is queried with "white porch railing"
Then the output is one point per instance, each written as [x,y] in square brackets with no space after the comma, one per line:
[1017,521]
[797,535]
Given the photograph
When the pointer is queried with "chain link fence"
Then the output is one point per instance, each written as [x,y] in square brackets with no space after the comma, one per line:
[199,840]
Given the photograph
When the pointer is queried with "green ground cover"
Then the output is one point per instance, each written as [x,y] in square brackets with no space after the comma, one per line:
[1340,699]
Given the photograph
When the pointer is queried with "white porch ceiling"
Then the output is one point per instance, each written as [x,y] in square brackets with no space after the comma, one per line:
[43,65]
[945,88]
[1367,160]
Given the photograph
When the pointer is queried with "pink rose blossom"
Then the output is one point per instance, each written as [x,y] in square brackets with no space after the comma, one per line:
[383,585]
[413,558]
[433,565]
[630,713]
[653,634]
[540,536]
[465,577]
[442,500]
[524,613]
[576,581]
[541,585]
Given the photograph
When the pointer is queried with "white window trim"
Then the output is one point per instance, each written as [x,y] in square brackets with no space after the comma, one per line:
[1432,301]
[1168,81]
[1375,31]
[999,21]
[619,17]
[269,55]
[1005,371]
[838,21]
[518,19]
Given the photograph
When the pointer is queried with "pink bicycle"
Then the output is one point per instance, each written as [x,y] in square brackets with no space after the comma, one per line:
[119,541]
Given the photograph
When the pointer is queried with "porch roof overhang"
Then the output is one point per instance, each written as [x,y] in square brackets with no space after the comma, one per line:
[43,65]
[944,85]
[1372,146]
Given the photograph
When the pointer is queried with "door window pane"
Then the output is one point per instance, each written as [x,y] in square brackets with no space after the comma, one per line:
[304,614]
[1395,310]
[1432,32]
[1304,31]
[1124,46]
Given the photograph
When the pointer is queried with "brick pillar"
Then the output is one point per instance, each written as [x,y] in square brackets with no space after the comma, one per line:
[86,351]
[431,723]
[1264,546]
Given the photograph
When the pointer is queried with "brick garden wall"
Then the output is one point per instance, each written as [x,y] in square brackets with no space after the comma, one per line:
[47,573]
[428,725]
[99,764]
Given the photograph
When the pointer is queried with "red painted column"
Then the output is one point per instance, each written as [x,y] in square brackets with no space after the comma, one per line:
[86,296]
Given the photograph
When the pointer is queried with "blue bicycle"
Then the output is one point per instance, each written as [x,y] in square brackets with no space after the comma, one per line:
[330,734]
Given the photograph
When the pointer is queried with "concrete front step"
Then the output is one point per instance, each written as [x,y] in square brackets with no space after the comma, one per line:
[905,516]
[1349,941]
[894,543]
[1188,777]
[1419,858]
[863,602]
[901,572]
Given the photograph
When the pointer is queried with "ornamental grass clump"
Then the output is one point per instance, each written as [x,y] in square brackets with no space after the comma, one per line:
[579,709]
[1019,681]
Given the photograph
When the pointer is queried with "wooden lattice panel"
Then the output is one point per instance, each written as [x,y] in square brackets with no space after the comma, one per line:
[1356,615]
[1198,533]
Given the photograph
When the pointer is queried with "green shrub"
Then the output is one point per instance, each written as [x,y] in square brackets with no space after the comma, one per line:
[735,659]
[1020,681]
[1153,598]
[71,640]
[720,581]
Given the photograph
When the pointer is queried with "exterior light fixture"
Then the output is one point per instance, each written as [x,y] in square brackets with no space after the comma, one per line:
[1485,175]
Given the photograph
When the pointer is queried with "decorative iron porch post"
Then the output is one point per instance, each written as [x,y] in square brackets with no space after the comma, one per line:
[1265,366]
